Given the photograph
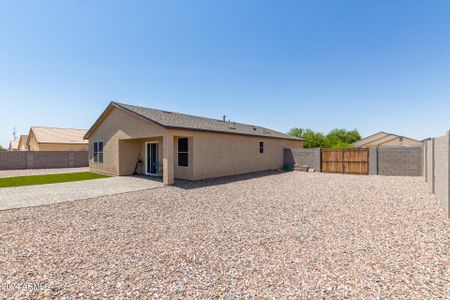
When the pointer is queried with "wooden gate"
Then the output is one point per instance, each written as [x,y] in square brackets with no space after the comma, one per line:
[346,161]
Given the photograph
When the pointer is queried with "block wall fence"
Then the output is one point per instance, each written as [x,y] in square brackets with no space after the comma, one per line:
[304,157]
[394,161]
[16,160]
[437,169]
[432,161]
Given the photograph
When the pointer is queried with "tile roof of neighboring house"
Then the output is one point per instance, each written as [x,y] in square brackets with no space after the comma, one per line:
[14,145]
[23,138]
[386,137]
[23,142]
[168,119]
[55,135]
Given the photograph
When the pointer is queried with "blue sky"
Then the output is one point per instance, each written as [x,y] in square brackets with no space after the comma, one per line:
[370,65]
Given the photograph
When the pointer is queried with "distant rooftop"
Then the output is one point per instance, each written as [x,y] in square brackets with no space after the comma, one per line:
[14,145]
[59,135]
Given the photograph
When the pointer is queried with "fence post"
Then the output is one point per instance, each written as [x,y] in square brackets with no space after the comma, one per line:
[373,161]
[433,165]
[378,159]
[30,160]
[71,159]
[448,184]
[320,159]
[425,160]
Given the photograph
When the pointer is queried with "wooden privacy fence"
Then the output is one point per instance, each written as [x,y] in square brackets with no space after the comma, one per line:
[345,161]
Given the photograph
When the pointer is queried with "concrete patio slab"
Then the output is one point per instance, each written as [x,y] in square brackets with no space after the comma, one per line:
[25,196]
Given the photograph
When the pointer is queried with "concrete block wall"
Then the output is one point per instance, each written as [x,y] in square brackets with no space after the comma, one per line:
[373,161]
[432,161]
[16,160]
[394,161]
[304,157]
[400,161]
[50,160]
[440,181]
[429,164]
[80,159]
[11,160]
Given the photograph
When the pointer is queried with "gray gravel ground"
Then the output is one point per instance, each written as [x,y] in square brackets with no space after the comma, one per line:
[287,235]
[29,172]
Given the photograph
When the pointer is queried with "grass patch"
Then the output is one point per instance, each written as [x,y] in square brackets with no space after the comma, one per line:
[47,179]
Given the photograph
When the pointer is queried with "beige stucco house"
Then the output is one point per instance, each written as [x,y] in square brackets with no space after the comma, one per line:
[128,139]
[20,144]
[56,139]
[384,139]
[13,145]
[23,142]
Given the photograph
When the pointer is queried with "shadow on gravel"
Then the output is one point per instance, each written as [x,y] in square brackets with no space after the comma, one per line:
[188,184]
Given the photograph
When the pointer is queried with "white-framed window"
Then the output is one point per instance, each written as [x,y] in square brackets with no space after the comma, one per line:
[261,147]
[98,152]
[183,152]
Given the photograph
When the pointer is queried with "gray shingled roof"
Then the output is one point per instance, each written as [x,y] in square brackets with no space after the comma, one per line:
[177,120]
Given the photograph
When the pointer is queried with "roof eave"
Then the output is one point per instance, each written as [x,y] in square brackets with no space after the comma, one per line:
[105,114]
[293,138]
[64,143]
[30,132]
[97,122]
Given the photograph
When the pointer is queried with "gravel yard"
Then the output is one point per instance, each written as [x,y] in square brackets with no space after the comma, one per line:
[30,172]
[281,235]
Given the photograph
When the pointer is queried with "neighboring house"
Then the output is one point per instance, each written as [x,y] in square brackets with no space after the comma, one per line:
[56,139]
[13,146]
[128,139]
[23,142]
[19,145]
[384,139]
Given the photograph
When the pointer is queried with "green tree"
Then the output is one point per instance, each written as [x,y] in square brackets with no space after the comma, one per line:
[2,149]
[298,132]
[343,135]
[312,139]
[341,138]
[337,138]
